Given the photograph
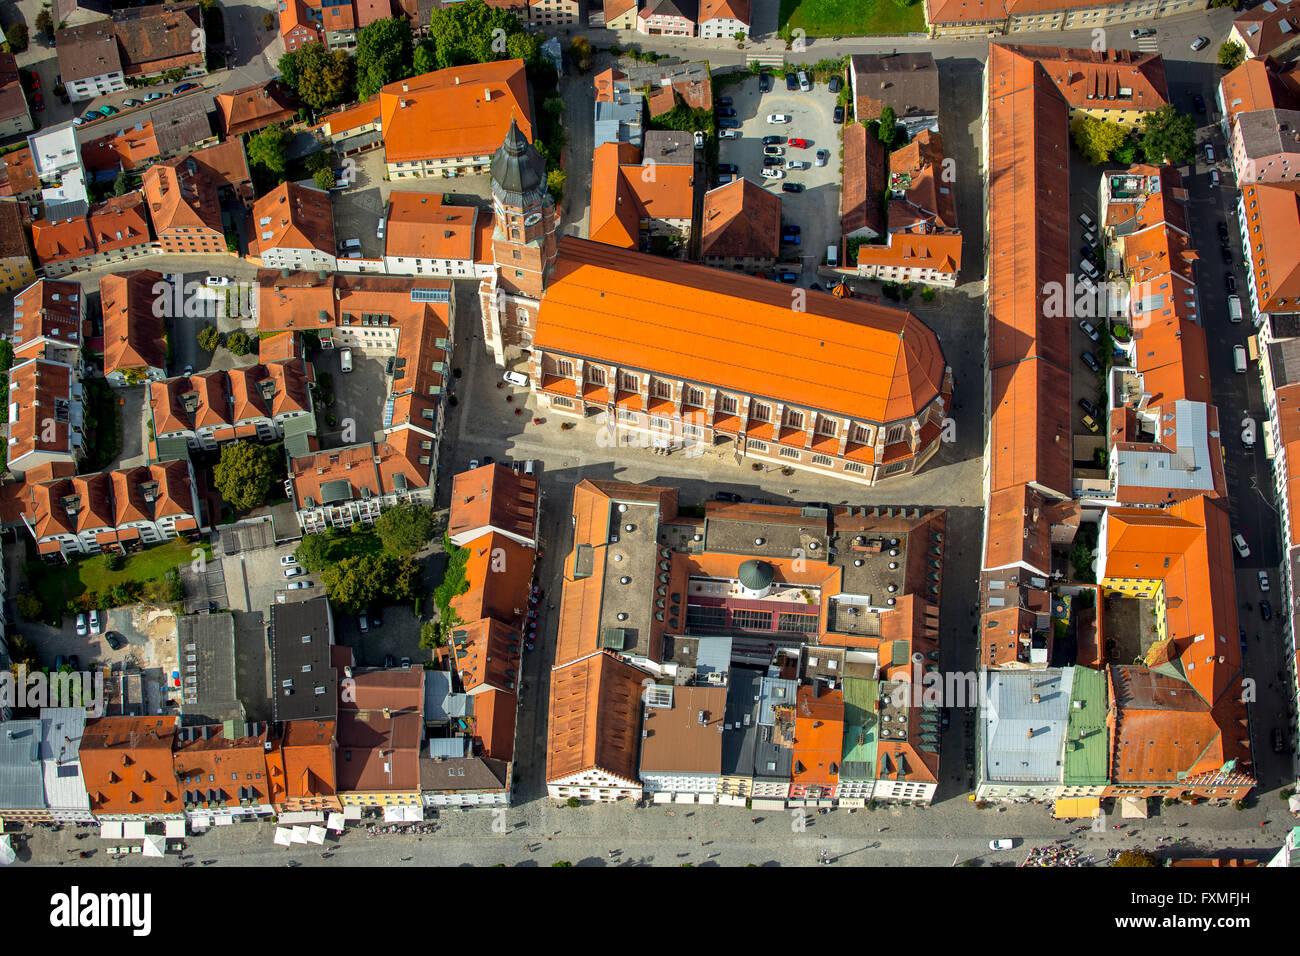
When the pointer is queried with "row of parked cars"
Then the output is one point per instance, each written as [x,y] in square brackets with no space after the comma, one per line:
[104,111]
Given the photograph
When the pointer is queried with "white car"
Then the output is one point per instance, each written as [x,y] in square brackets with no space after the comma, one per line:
[699,139]
[364,622]
[81,626]
[379,232]
[1200,43]
[797,164]
[1239,542]
[728,134]
[778,117]
[345,359]
[515,378]
[1003,844]
[295,571]
[217,281]
[1089,330]
[822,157]
[774,174]
[1263,580]
[95,626]
[288,561]
[298,585]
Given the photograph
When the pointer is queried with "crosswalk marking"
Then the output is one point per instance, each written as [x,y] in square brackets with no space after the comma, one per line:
[1148,45]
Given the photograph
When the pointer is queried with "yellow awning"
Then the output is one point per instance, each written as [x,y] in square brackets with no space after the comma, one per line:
[1075,807]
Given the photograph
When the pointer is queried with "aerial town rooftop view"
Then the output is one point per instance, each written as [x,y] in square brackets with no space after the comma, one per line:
[650,432]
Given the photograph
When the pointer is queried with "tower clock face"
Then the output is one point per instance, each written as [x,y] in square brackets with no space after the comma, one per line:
[533,219]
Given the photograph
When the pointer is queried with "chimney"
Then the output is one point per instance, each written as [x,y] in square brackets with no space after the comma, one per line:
[487,95]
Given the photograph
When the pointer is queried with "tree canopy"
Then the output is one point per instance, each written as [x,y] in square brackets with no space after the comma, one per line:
[313,551]
[1096,139]
[405,528]
[384,55]
[473,32]
[1168,136]
[320,77]
[244,474]
[1231,55]
[266,148]
[359,581]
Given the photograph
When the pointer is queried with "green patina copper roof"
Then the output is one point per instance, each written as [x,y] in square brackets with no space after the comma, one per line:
[859,758]
[755,575]
[1086,737]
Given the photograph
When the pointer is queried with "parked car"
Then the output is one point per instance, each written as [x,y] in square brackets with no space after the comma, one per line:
[1090,330]
[1090,423]
[837,115]
[723,178]
[473,463]
[1200,43]
[792,187]
[778,117]
[789,278]
[791,82]
[773,150]
[1241,637]
[1090,360]
[1239,542]
[773,173]
[389,661]
[91,115]
[771,161]
[1198,101]
[1279,742]
[188,371]
[107,110]
[217,280]
[379,230]
[722,111]
[724,101]
[516,378]
[59,661]
[78,120]
[1265,610]
[288,561]
[1239,358]
[114,640]
[363,622]
[1086,221]
[185,88]
[299,585]
[797,143]
[1209,152]
[836,82]
[95,626]
[1223,230]
[797,164]
[38,101]
[345,360]
[822,157]
[699,134]
[790,237]
[794,230]
[1229,282]
[765,82]
[155,95]
[728,134]
[728,496]
[82,630]
[1003,844]
[728,168]
[1225,253]
[132,104]
[804,83]
[1215,179]
[406,663]
[1263,580]
[1089,408]
[729,123]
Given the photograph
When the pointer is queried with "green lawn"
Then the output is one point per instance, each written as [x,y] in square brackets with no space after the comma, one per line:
[819,18]
[55,587]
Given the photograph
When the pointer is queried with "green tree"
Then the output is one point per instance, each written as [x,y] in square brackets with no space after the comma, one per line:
[1096,139]
[244,475]
[16,34]
[320,77]
[581,51]
[406,528]
[1168,136]
[362,580]
[453,583]
[425,59]
[555,184]
[268,21]
[1136,858]
[22,651]
[888,130]
[324,178]
[525,46]
[1231,55]
[471,32]
[384,55]
[209,338]
[29,606]
[44,23]
[239,342]
[122,184]
[1234,4]
[313,551]
[266,148]
[430,636]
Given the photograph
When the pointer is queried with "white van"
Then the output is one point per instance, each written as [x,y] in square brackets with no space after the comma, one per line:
[1239,358]
[345,359]
[832,256]
[350,244]
[1234,308]
[1086,221]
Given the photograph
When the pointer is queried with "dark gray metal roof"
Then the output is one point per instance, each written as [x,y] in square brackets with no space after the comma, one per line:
[21,786]
[518,173]
[206,648]
[301,635]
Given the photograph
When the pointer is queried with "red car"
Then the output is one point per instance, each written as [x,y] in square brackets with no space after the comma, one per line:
[38,103]
[798,143]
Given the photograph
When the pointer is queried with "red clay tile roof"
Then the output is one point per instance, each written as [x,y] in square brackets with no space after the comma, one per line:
[741,219]
[18,173]
[133,333]
[303,764]
[35,386]
[127,765]
[48,308]
[864,177]
[819,737]
[293,217]
[158,38]
[493,496]
[1103,79]
[234,769]
[1265,28]
[1256,85]
[251,108]
[498,574]
[733,332]
[181,198]
[424,225]
[595,717]
[459,111]
[1273,217]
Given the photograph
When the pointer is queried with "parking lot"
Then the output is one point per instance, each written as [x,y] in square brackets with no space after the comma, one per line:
[816,210]
[359,395]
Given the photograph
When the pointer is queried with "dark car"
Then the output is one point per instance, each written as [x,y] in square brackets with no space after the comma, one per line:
[792,187]
[724,101]
[729,123]
[791,82]
[759,501]
[835,84]
[1199,102]
[1279,742]
[838,115]
[728,168]
[1230,282]
[1089,408]
[114,640]
[724,178]
[770,161]
[1088,254]
[487,459]
[389,661]
[787,277]
[1223,230]
[790,229]
[773,140]
[765,82]
[185,88]
[790,237]
[1227,255]
[726,112]
[1090,360]
[1265,610]
[728,496]
[1241,636]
